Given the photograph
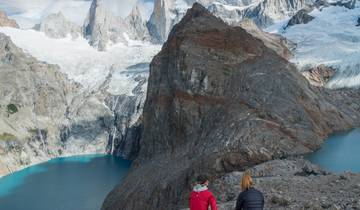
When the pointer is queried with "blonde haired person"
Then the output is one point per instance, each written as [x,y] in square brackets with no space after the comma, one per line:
[249,198]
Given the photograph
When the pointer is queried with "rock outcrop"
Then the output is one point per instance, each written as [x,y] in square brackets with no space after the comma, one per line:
[319,75]
[219,100]
[6,22]
[56,26]
[358,22]
[102,27]
[301,17]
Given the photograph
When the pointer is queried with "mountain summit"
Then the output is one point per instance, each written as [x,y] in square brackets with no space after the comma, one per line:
[103,27]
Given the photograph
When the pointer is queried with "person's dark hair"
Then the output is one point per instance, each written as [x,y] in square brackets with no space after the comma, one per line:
[201,179]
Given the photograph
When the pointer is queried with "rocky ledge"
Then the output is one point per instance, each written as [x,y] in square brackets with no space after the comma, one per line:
[220,101]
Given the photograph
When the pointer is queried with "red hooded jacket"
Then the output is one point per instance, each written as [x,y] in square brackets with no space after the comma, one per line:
[201,198]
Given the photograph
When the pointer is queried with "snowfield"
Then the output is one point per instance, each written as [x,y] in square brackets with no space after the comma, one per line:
[332,38]
[84,64]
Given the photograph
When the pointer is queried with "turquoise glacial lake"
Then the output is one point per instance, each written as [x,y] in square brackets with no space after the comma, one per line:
[70,183]
[339,153]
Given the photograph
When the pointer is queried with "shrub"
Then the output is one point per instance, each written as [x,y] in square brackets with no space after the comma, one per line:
[7,136]
[11,108]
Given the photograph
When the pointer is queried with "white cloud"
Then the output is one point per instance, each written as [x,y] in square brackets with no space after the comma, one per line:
[29,12]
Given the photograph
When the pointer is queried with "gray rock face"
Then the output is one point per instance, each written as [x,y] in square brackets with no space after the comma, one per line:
[102,26]
[56,26]
[161,20]
[6,22]
[98,24]
[301,17]
[358,22]
[36,89]
[137,23]
[127,127]
[220,101]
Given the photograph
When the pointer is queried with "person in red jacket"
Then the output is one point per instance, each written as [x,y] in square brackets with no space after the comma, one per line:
[201,198]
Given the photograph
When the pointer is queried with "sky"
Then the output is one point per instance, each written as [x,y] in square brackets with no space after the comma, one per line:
[30,12]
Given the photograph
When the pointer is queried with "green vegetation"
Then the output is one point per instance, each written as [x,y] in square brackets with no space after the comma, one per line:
[11,109]
[33,130]
[7,137]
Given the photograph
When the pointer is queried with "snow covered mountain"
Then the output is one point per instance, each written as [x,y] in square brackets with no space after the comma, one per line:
[56,26]
[103,26]
[263,12]
[331,38]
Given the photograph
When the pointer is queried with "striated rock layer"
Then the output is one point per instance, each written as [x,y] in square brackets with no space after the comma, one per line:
[219,100]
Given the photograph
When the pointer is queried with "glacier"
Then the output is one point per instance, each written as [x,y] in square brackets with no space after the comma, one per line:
[334,41]
[83,63]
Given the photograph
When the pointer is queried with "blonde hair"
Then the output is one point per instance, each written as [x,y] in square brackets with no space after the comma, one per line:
[246,181]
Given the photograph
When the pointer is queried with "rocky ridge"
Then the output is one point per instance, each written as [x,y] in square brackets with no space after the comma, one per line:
[213,107]
[6,22]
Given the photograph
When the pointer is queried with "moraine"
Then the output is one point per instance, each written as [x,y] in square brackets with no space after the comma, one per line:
[69,183]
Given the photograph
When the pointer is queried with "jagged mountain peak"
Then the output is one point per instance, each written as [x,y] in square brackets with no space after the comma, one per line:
[57,26]
[103,27]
